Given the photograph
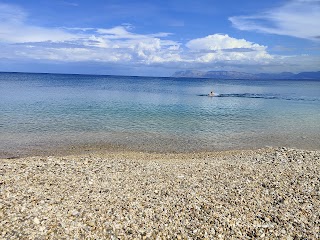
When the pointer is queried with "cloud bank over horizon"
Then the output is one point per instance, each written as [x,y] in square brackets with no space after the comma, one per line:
[22,40]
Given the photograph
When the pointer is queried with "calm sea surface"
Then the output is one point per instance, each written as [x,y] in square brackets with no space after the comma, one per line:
[43,111]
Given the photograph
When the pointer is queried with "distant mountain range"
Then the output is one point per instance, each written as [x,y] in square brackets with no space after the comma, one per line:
[244,75]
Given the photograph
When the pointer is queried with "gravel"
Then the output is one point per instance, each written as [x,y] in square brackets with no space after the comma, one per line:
[270,193]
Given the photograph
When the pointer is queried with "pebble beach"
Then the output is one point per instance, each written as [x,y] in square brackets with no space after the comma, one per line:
[269,193]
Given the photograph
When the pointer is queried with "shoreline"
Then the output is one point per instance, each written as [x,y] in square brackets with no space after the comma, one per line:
[70,148]
[263,193]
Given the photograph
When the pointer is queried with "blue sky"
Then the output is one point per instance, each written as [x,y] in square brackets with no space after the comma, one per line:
[157,38]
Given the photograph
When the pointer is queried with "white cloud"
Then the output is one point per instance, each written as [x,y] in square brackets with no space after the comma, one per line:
[221,42]
[13,28]
[121,45]
[119,32]
[296,18]
[219,47]
[81,44]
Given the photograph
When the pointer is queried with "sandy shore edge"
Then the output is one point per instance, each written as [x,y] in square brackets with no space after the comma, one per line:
[264,193]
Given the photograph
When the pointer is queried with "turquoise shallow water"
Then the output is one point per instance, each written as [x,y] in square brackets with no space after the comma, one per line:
[39,111]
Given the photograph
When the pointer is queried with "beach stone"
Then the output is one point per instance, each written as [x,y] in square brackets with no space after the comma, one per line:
[42,229]
[75,213]
[36,220]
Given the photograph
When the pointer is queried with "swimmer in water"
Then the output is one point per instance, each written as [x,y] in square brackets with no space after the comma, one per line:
[211,94]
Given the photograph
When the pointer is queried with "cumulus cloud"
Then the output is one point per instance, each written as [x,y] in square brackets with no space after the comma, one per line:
[296,18]
[219,47]
[221,42]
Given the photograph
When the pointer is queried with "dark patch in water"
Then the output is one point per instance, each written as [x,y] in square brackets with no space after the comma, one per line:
[249,95]
[263,96]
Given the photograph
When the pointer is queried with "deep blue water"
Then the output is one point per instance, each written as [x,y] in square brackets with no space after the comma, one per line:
[156,114]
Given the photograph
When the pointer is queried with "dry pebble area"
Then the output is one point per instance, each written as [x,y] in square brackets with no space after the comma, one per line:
[270,193]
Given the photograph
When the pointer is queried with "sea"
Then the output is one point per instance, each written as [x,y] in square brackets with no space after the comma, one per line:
[41,113]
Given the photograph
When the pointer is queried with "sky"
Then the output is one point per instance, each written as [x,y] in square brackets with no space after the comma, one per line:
[159,37]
